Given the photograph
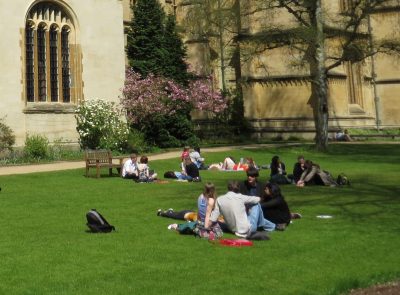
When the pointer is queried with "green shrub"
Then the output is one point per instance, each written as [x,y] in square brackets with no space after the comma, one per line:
[7,137]
[36,147]
[136,142]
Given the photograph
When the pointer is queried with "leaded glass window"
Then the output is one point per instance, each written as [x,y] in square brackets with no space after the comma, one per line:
[54,63]
[29,70]
[65,65]
[41,52]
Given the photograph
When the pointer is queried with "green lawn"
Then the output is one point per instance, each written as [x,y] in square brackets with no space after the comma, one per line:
[44,248]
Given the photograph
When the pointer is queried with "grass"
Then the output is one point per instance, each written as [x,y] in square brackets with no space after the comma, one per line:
[44,248]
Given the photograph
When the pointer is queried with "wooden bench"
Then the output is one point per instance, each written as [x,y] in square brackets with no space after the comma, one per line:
[102,159]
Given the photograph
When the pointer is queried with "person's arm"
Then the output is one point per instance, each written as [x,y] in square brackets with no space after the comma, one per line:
[271,203]
[215,213]
[210,207]
[311,174]
[250,199]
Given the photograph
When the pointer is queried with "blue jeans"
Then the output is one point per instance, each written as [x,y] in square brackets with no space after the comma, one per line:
[182,176]
[256,219]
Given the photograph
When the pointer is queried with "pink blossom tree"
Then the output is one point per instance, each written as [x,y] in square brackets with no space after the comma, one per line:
[145,97]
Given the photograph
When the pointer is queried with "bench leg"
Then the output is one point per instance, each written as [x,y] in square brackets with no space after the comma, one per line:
[110,171]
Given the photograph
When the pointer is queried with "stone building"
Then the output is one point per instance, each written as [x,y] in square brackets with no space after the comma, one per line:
[56,53]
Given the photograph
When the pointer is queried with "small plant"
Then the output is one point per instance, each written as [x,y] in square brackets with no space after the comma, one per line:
[99,125]
[36,147]
[7,137]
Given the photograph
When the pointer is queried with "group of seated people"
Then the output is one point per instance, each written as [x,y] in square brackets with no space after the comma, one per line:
[305,172]
[138,171]
[246,208]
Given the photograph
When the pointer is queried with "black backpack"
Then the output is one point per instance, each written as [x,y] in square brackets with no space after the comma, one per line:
[97,223]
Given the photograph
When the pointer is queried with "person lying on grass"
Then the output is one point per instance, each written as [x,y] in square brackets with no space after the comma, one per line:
[205,205]
[274,206]
[239,220]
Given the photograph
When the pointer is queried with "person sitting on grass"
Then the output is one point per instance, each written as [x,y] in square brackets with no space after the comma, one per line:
[129,170]
[313,174]
[198,159]
[274,206]
[205,205]
[190,172]
[241,221]
[278,171]
[343,135]
[144,172]
[298,168]
[251,186]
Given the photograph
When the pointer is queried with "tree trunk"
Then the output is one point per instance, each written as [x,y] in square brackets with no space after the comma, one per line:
[319,81]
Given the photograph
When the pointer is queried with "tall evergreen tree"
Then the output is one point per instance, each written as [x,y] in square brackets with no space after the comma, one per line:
[175,66]
[145,48]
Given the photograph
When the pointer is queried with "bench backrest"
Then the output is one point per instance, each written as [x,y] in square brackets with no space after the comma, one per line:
[98,156]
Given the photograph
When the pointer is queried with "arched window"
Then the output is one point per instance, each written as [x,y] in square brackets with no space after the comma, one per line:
[54,63]
[29,67]
[65,64]
[52,55]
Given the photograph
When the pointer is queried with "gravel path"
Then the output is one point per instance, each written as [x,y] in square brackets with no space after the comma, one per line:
[57,166]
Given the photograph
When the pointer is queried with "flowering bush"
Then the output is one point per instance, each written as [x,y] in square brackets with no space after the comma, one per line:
[145,97]
[99,125]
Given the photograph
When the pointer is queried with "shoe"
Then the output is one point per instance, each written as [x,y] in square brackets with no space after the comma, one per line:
[280,226]
[159,212]
[173,226]
[295,216]
[170,209]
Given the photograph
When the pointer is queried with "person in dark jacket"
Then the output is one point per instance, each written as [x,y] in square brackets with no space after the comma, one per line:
[251,186]
[278,171]
[190,171]
[274,206]
[298,168]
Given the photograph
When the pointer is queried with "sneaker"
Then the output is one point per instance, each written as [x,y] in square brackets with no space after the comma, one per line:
[295,216]
[280,226]
[170,209]
[159,212]
[173,226]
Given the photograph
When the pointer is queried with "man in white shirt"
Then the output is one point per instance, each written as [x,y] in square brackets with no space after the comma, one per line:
[232,206]
[130,169]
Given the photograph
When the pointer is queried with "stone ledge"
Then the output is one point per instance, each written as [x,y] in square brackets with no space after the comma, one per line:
[48,108]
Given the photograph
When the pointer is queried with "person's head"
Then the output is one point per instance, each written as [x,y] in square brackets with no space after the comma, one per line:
[186,148]
[275,160]
[252,174]
[272,190]
[209,190]
[250,162]
[196,149]
[233,186]
[308,164]
[346,131]
[187,160]
[144,160]
[300,159]
[133,157]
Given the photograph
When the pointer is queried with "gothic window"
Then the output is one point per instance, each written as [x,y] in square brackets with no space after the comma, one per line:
[54,63]
[51,55]
[41,58]
[354,76]
[29,44]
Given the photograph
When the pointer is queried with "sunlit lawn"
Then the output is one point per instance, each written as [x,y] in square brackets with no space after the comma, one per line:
[44,247]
